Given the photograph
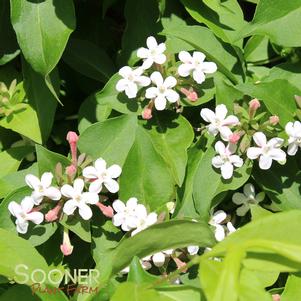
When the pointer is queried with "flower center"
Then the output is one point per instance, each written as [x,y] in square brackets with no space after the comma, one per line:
[162,89]
[40,188]
[78,198]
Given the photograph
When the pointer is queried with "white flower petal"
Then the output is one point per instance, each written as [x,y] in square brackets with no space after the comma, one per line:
[254,152]
[217,161]
[231,120]
[147,63]
[260,139]
[22,226]
[121,85]
[151,218]
[170,82]
[78,185]
[158,259]
[218,217]
[221,111]
[151,92]
[125,71]
[160,103]
[131,204]
[142,53]
[90,172]
[208,115]
[292,149]
[118,206]
[236,161]
[239,198]
[225,133]
[36,217]
[111,185]
[100,165]
[172,96]
[230,227]
[198,56]
[140,211]
[209,67]
[85,211]
[131,90]
[185,57]
[90,197]
[151,43]
[277,154]
[275,142]
[53,193]
[220,147]
[198,76]
[193,250]
[219,232]
[32,181]
[118,219]
[160,59]
[143,81]
[265,162]
[14,208]
[95,186]
[114,171]
[227,170]
[185,69]
[289,128]
[157,78]
[70,207]
[242,210]
[27,204]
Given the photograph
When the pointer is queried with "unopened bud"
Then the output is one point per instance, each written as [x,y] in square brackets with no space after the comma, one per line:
[106,210]
[53,214]
[190,94]
[274,120]
[234,138]
[71,171]
[147,113]
[254,105]
[72,138]
[66,246]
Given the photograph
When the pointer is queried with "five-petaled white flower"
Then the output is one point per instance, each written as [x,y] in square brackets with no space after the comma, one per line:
[23,214]
[195,64]
[144,220]
[226,160]
[125,214]
[294,132]
[267,150]
[163,91]
[100,174]
[154,53]
[159,258]
[246,198]
[219,123]
[42,188]
[220,230]
[78,199]
[131,81]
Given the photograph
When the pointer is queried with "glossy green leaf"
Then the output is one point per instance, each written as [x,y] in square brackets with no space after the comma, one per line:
[43,29]
[292,288]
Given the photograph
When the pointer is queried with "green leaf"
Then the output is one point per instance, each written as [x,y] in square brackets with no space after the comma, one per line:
[9,48]
[36,234]
[16,180]
[40,98]
[181,292]
[138,275]
[145,174]
[88,59]
[17,251]
[258,49]
[12,158]
[225,18]
[292,288]
[202,39]
[18,121]
[282,184]
[48,160]
[110,139]
[156,238]
[171,135]
[280,21]
[281,102]
[43,29]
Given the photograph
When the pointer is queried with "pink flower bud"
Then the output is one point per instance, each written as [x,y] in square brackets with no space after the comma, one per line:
[276,297]
[274,120]
[71,171]
[72,138]
[66,246]
[52,215]
[254,104]
[147,113]
[106,210]
[234,138]
[190,94]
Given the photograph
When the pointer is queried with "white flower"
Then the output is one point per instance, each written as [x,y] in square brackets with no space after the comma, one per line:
[246,198]
[230,228]
[267,150]
[153,54]
[102,175]
[125,216]
[159,258]
[131,81]
[78,199]
[163,91]
[219,123]
[294,132]
[215,221]
[144,220]
[226,160]
[193,250]
[42,188]
[195,64]
[23,214]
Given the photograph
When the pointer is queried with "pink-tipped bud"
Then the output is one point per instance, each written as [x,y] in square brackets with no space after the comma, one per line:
[66,246]
[71,171]
[190,94]
[106,210]
[147,113]
[276,297]
[53,214]
[72,138]
[274,120]
[254,105]
[234,138]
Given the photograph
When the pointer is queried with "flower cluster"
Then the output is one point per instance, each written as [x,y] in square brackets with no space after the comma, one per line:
[232,130]
[154,72]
